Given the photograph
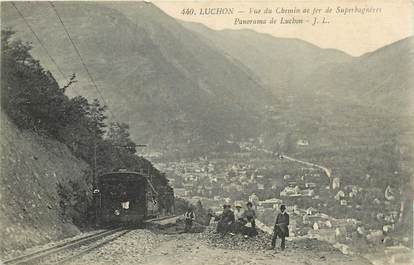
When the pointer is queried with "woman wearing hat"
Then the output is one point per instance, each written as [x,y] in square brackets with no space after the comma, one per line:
[239,218]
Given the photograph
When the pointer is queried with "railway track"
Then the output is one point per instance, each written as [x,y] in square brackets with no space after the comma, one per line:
[70,250]
[162,220]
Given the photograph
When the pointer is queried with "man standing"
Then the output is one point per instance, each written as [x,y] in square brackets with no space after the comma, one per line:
[189,218]
[281,228]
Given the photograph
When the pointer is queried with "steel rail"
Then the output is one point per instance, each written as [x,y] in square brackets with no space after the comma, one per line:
[160,219]
[89,249]
[37,255]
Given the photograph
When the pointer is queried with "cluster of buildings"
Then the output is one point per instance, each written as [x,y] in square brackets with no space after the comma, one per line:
[305,184]
[212,178]
[214,182]
[192,178]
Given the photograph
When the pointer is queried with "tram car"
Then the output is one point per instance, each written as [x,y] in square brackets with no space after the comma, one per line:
[124,198]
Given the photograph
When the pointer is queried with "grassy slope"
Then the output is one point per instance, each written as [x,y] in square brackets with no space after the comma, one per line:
[31,169]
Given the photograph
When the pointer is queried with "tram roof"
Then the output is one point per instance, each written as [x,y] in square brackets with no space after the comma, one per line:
[124,175]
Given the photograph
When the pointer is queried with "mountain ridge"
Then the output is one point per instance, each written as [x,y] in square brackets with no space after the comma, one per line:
[199,89]
[329,74]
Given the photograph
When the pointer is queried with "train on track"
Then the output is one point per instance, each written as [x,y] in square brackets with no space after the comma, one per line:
[125,198]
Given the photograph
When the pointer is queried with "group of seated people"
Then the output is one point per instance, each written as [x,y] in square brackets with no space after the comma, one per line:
[243,221]
[239,221]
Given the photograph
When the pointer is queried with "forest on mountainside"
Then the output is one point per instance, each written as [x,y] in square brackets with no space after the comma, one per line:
[33,100]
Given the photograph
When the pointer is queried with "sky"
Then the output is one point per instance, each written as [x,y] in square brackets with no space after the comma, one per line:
[354,34]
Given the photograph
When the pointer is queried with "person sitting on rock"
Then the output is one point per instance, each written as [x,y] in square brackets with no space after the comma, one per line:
[249,215]
[281,228]
[226,221]
[189,219]
[239,218]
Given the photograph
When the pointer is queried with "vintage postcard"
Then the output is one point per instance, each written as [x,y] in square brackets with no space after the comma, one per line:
[207,132]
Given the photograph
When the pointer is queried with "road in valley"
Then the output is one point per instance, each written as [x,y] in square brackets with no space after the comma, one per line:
[327,171]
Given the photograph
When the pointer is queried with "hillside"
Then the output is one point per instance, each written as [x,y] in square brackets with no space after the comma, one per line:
[154,73]
[283,64]
[35,172]
[353,111]
[298,70]
[381,79]
[183,87]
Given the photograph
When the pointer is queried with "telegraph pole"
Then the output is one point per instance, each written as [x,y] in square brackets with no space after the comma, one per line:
[94,161]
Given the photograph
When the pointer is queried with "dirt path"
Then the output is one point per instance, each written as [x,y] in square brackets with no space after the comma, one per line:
[148,247]
[187,249]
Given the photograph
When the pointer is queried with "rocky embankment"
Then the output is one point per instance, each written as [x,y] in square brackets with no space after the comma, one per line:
[171,246]
[35,174]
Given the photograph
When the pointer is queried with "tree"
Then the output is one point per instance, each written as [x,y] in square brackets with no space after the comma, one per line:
[118,135]
[30,94]
[33,100]
[96,113]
